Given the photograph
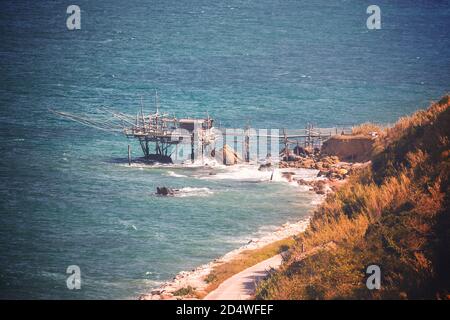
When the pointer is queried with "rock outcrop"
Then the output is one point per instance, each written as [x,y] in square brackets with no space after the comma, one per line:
[226,155]
[349,148]
[164,191]
[265,167]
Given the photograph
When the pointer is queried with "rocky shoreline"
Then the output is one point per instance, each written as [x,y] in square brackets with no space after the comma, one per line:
[332,173]
[196,277]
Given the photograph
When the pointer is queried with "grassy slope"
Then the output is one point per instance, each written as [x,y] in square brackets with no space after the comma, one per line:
[393,213]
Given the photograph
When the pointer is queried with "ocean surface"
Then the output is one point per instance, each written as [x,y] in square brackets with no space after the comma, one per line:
[67,195]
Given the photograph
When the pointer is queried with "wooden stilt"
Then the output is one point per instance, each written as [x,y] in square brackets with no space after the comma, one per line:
[129,155]
[247,146]
[286,146]
[203,150]
[192,148]
[158,129]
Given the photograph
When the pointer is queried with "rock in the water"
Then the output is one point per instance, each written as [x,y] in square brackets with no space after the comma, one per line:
[319,186]
[159,158]
[227,155]
[303,182]
[288,175]
[164,191]
[264,167]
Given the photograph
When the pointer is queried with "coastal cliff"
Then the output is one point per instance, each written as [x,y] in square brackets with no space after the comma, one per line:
[393,213]
[354,148]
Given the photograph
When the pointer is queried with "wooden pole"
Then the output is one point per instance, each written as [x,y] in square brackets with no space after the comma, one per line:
[192,148]
[286,150]
[247,146]
[176,151]
[203,150]
[129,155]
[309,135]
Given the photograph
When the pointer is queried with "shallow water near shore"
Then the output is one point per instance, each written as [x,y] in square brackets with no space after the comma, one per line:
[135,239]
[67,195]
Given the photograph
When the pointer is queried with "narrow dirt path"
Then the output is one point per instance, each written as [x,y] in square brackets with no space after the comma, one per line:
[242,285]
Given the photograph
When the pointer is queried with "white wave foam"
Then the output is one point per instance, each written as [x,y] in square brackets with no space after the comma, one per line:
[206,162]
[240,172]
[127,224]
[176,175]
[270,234]
[193,192]
[251,173]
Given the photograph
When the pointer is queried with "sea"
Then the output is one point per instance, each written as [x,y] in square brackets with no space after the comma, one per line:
[67,194]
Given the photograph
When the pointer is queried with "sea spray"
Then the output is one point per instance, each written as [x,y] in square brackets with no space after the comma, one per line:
[193,192]
[175,175]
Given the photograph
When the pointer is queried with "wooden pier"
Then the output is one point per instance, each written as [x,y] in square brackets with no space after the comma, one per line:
[159,134]
[164,132]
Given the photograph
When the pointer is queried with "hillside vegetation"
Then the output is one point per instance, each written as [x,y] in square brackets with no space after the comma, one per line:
[393,213]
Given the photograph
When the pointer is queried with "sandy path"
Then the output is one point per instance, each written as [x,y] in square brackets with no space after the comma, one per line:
[242,285]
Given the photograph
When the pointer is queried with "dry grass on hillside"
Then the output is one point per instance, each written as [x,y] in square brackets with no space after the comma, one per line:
[366,129]
[394,213]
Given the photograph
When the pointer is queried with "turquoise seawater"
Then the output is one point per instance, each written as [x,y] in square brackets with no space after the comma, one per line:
[67,196]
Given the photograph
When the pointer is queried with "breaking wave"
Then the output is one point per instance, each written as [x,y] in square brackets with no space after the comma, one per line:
[193,192]
[175,175]
[251,173]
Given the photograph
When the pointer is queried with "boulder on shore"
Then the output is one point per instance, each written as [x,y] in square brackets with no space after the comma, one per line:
[353,148]
[318,186]
[227,155]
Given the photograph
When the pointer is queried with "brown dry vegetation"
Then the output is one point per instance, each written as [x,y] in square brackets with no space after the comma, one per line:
[393,213]
[366,129]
